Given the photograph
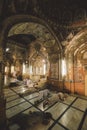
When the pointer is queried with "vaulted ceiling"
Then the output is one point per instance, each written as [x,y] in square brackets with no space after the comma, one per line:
[64,16]
[67,19]
[35,35]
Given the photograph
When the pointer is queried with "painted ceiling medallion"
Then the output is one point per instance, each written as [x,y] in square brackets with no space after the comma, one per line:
[49,43]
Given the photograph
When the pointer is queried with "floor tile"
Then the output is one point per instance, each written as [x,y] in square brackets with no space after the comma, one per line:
[12,97]
[57,127]
[57,110]
[30,96]
[14,102]
[19,89]
[7,90]
[80,104]
[9,93]
[17,109]
[84,126]
[69,100]
[71,119]
[30,109]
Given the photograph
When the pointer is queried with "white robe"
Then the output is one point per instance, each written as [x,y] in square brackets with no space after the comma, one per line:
[29,83]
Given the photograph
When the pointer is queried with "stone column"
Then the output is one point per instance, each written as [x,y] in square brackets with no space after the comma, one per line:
[2,99]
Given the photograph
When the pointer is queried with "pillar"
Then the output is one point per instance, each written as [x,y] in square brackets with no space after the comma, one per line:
[2,99]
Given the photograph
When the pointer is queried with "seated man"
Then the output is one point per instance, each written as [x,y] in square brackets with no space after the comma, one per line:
[29,82]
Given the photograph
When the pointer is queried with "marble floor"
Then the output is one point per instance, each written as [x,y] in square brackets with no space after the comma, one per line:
[70,114]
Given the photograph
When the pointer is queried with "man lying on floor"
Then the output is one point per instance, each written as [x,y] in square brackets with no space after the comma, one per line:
[32,120]
[55,98]
[42,95]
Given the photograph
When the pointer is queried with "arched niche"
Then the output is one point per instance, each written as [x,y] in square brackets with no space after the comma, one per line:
[77,47]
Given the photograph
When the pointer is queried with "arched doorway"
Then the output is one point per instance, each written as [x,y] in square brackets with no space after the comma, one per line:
[76,72]
[86,81]
[85,68]
[12,21]
[6,27]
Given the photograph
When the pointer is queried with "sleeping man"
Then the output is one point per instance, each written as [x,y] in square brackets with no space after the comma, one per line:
[55,98]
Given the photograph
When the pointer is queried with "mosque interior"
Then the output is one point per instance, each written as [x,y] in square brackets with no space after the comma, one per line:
[43,65]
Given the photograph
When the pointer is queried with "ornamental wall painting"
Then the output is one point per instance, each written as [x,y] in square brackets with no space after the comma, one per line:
[70,74]
[54,70]
[79,74]
[70,68]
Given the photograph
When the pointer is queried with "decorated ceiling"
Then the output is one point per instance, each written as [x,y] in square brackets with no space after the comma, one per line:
[37,36]
[64,16]
[67,19]
[78,45]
